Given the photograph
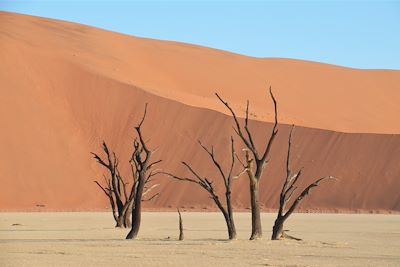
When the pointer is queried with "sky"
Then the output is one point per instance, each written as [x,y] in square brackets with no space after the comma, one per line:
[359,34]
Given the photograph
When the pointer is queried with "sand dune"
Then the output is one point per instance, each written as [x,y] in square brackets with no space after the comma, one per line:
[310,94]
[65,87]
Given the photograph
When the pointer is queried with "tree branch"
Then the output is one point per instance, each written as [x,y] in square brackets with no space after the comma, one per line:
[154,163]
[274,129]
[104,189]
[303,194]
[193,172]
[99,160]
[180,178]
[144,116]
[238,128]
[150,198]
[139,132]
[246,127]
[216,164]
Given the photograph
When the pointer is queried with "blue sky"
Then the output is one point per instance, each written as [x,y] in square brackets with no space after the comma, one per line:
[359,34]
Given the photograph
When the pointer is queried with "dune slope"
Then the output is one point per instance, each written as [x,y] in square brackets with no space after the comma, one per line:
[65,87]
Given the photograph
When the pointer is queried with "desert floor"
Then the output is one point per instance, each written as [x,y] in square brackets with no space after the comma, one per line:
[89,239]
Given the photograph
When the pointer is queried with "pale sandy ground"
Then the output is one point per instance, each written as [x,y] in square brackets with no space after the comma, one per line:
[88,239]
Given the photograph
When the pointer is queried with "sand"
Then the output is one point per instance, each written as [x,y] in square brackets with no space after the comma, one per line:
[88,239]
[310,94]
[65,87]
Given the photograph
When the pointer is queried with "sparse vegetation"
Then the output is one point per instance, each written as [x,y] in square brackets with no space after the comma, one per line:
[126,204]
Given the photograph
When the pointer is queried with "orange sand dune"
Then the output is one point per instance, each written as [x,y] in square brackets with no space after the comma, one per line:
[65,87]
[310,94]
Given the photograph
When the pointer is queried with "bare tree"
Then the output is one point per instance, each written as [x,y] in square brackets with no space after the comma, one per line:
[288,188]
[207,184]
[181,236]
[124,200]
[115,188]
[255,162]
[143,173]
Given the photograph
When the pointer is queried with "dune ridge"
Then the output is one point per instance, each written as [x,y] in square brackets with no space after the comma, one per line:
[65,87]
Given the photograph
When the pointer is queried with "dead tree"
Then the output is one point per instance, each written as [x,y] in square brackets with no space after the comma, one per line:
[143,173]
[255,163]
[124,200]
[181,236]
[207,184]
[115,189]
[288,189]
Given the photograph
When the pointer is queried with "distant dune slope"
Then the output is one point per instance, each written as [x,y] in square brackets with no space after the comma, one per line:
[64,87]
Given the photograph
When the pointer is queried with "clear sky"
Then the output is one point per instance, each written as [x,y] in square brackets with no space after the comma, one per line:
[359,34]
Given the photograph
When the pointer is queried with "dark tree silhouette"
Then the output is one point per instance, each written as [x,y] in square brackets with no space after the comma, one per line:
[207,184]
[126,201]
[181,236]
[255,163]
[143,173]
[288,189]
[115,188]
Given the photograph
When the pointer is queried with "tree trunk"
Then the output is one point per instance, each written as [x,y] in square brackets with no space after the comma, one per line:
[256,229]
[277,230]
[127,216]
[230,222]
[120,207]
[136,220]
[231,230]
[137,210]
[230,226]
[181,236]
[120,222]
[120,204]
[124,219]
